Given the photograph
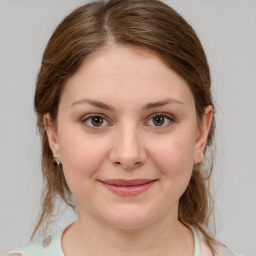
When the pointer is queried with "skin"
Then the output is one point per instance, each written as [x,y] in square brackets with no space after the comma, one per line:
[127,145]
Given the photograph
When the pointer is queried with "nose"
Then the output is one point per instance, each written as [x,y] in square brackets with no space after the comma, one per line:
[128,149]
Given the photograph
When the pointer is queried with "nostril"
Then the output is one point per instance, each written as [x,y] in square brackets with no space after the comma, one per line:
[128,166]
[126,156]
[132,166]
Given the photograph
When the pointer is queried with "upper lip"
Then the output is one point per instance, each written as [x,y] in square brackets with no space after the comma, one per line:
[134,182]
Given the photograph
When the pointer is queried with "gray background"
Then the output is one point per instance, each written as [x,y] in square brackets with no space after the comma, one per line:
[227,30]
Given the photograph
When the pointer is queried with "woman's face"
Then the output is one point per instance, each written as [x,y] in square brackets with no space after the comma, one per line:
[127,136]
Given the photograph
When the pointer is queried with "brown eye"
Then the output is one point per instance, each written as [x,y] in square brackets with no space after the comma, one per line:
[97,120]
[158,120]
[94,121]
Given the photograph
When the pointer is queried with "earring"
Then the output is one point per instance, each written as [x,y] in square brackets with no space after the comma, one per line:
[55,157]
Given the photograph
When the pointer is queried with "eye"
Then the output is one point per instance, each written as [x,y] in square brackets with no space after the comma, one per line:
[160,120]
[94,121]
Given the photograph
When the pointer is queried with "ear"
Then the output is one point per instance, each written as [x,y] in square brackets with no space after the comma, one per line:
[52,135]
[203,131]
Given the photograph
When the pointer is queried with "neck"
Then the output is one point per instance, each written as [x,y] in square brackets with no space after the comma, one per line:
[89,236]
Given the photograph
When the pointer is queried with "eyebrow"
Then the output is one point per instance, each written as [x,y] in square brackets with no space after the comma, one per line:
[148,106]
[94,103]
[160,103]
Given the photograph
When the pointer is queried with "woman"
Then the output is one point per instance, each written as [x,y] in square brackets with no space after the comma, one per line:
[124,107]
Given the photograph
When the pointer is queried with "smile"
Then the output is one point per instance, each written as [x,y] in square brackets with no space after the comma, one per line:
[128,187]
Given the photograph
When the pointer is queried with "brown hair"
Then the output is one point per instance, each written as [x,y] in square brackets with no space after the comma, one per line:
[148,24]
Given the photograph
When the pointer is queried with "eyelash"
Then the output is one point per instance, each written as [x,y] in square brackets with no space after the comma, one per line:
[170,118]
[88,117]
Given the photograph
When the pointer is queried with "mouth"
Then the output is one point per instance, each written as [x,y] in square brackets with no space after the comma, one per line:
[128,187]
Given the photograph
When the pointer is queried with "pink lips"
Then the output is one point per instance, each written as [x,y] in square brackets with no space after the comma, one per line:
[128,187]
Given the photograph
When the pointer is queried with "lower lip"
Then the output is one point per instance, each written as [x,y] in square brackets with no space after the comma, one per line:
[128,190]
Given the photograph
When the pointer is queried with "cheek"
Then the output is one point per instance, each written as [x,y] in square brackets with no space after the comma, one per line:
[174,160]
[174,156]
[81,158]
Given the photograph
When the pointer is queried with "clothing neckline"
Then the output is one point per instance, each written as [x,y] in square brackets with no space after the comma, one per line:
[58,238]
[197,246]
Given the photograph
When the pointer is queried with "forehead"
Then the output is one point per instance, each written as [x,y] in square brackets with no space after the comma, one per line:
[118,72]
[123,61]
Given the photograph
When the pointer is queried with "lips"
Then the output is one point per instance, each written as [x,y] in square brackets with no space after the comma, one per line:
[119,182]
[128,187]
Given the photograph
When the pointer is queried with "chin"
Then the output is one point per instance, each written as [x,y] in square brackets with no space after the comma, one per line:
[129,218]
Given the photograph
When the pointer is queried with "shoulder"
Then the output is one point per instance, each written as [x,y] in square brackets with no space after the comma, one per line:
[221,250]
[51,246]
